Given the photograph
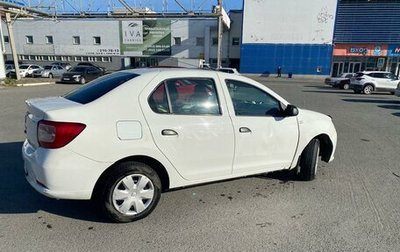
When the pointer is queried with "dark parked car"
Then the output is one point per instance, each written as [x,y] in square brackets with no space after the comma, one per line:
[92,65]
[81,74]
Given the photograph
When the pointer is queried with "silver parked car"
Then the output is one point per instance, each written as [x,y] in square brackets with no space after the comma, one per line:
[49,71]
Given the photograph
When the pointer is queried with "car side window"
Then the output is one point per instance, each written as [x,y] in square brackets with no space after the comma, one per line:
[186,96]
[158,100]
[249,100]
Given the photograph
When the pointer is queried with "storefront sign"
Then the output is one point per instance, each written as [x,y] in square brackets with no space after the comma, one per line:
[394,50]
[360,50]
[145,37]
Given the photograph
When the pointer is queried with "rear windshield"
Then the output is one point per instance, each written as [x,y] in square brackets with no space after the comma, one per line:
[99,87]
[78,69]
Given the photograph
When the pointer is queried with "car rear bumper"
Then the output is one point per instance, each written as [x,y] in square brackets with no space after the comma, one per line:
[73,178]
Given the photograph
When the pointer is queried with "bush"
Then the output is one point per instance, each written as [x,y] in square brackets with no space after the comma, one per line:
[10,82]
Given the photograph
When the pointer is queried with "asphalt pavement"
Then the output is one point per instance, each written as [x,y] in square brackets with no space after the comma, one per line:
[352,205]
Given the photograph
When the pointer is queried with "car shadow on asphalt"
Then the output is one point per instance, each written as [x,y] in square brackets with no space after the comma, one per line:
[18,197]
[372,101]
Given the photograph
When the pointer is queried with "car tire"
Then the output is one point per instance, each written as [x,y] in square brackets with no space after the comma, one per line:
[82,80]
[50,76]
[309,161]
[346,86]
[128,193]
[368,89]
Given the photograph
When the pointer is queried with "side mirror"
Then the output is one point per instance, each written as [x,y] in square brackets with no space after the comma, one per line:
[291,110]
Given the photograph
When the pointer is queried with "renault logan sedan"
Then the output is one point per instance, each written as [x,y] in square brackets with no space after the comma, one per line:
[126,137]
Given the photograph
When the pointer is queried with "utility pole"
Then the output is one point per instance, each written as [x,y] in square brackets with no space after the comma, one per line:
[12,45]
[219,50]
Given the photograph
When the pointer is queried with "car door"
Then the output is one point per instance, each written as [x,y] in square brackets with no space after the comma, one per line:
[265,139]
[92,73]
[391,81]
[190,125]
[59,70]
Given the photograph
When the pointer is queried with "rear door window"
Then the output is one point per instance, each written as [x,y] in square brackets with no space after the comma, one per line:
[186,96]
[99,87]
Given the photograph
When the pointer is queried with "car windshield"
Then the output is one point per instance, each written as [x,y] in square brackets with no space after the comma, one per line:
[47,67]
[99,87]
[78,69]
[23,66]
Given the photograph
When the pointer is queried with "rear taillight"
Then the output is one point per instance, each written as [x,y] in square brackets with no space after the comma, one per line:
[54,135]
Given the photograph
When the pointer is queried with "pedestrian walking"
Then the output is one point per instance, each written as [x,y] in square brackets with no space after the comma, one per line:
[279,71]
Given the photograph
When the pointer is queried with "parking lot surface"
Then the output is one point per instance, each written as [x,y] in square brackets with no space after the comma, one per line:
[352,205]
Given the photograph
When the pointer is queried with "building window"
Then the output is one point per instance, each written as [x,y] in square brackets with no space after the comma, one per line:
[78,58]
[96,41]
[51,58]
[29,39]
[214,41]
[6,39]
[200,41]
[76,40]
[235,41]
[177,40]
[85,58]
[106,59]
[49,39]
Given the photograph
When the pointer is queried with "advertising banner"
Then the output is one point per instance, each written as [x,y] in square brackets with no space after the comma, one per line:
[145,37]
[360,50]
[394,50]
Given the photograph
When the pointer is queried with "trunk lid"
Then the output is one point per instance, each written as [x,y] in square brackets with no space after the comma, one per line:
[37,110]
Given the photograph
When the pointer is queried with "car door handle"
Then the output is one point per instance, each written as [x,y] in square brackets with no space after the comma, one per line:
[244,130]
[169,132]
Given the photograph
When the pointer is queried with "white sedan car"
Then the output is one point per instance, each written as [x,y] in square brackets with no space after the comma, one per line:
[126,137]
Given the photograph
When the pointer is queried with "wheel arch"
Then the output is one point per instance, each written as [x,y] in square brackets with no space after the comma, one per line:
[326,147]
[153,163]
[369,83]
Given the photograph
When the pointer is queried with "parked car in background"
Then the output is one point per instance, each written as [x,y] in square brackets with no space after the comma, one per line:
[126,137]
[103,69]
[26,70]
[81,74]
[49,71]
[9,68]
[342,81]
[64,65]
[397,92]
[374,81]
[228,70]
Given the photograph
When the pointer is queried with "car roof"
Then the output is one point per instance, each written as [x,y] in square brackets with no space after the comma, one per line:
[191,71]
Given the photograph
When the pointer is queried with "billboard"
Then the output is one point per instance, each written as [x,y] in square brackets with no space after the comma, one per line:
[145,37]
[360,50]
[288,21]
[394,50]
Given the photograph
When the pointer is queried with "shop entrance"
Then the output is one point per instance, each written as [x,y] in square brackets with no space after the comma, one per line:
[337,68]
[395,68]
[354,67]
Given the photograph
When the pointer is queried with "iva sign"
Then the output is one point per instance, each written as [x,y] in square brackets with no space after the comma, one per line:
[132,32]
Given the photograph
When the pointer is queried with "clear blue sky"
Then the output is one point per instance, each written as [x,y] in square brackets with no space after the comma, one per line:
[157,5]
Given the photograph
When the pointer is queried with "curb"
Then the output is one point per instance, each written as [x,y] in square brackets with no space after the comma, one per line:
[34,84]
